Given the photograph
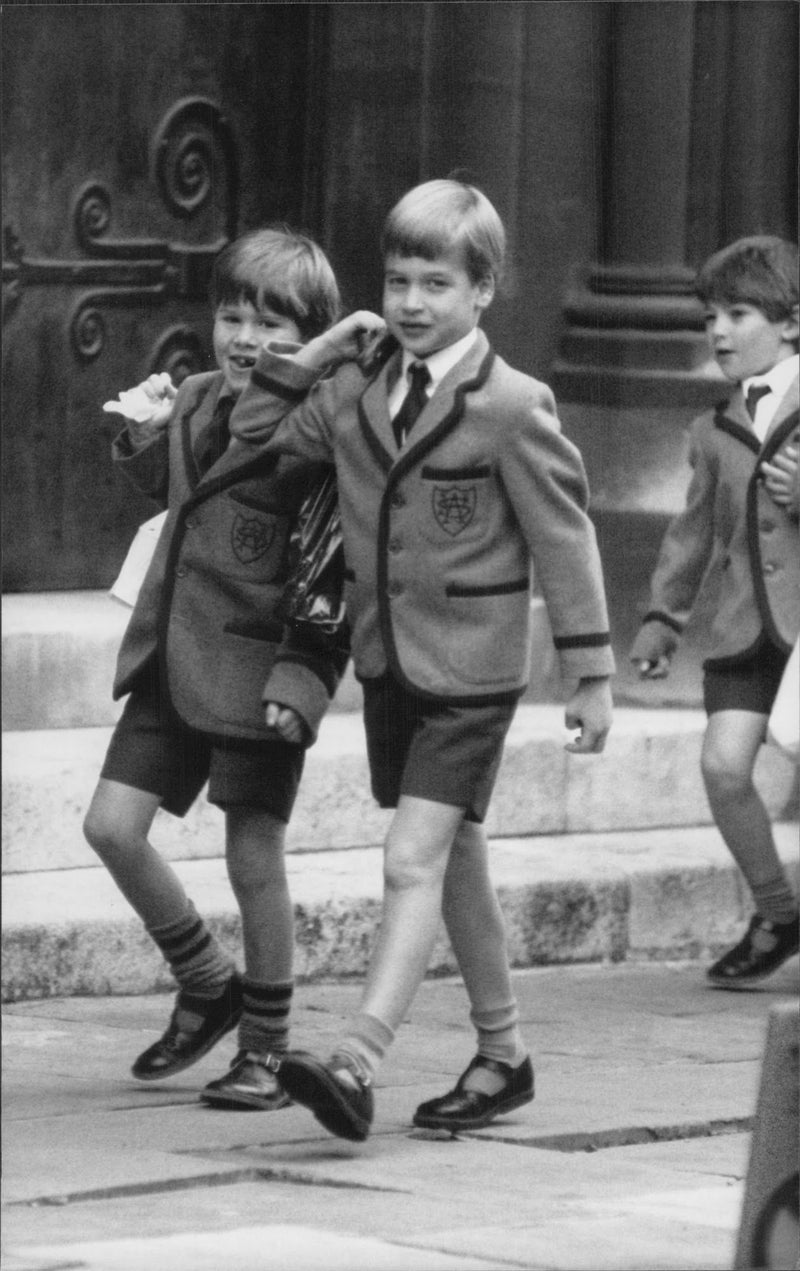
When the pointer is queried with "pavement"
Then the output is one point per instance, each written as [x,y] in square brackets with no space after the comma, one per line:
[634,1154]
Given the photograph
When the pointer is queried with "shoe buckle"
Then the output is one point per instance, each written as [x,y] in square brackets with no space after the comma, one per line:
[272,1063]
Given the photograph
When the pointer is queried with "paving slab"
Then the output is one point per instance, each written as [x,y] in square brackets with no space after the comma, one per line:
[633,1155]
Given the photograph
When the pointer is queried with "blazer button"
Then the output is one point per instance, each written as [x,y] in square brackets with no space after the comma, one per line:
[398,500]
[190,522]
[766,526]
[181,571]
[395,544]
[395,588]
[770,567]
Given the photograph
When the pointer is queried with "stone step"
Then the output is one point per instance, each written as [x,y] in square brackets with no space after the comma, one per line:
[648,776]
[60,652]
[657,894]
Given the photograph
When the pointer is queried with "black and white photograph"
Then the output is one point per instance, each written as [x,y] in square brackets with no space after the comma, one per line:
[376,374]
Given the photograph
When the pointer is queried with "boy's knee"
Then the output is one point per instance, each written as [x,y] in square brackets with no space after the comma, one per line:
[405,870]
[723,778]
[101,833]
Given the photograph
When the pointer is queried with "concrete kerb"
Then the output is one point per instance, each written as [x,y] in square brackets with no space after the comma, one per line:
[652,894]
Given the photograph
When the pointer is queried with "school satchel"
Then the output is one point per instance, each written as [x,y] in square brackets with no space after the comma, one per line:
[312,604]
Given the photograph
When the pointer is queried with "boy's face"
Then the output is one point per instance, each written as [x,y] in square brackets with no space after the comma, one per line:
[745,342]
[429,304]
[240,333]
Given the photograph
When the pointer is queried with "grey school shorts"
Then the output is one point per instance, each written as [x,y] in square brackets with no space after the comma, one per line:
[152,749]
[432,750]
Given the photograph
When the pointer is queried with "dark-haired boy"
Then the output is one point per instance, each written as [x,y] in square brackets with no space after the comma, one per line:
[741,509]
[200,650]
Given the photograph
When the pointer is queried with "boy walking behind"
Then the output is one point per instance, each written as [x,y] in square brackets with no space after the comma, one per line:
[200,648]
[452,473]
[742,506]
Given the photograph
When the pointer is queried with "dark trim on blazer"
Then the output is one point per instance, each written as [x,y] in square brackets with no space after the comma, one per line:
[206,490]
[408,459]
[658,615]
[779,435]
[456,474]
[490,589]
[277,388]
[592,640]
[193,473]
[756,568]
[738,432]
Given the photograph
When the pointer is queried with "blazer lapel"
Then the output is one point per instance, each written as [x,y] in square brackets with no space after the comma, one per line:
[787,408]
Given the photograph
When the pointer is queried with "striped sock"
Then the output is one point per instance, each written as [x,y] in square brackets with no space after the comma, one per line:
[264,1026]
[194,957]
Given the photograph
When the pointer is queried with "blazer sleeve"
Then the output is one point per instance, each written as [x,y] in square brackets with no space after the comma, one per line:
[305,676]
[545,480]
[286,407]
[146,468]
[683,559]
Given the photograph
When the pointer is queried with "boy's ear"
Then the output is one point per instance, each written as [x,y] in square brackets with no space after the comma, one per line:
[485,292]
[792,328]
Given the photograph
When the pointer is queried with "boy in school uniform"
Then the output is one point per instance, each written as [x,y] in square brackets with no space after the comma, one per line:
[742,509]
[452,474]
[203,642]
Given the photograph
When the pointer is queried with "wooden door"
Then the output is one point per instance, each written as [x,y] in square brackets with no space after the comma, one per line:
[137,140]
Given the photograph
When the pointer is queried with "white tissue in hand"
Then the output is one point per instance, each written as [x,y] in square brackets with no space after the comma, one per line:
[134,404]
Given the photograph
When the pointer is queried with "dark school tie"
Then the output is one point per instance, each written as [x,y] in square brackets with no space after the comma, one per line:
[213,440]
[754,394]
[413,402]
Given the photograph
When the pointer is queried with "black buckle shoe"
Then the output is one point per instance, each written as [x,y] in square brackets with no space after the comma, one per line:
[250,1085]
[180,1047]
[463,1109]
[343,1109]
[764,947]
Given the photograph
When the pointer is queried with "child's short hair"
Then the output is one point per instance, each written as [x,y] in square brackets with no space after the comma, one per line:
[438,216]
[760,271]
[279,269]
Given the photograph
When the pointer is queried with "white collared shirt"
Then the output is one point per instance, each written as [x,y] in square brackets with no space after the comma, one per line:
[778,381]
[438,364]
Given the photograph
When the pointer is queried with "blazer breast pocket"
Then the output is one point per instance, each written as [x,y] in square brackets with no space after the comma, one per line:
[455,501]
[255,538]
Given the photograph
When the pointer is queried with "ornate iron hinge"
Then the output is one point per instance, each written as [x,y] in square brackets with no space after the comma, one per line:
[186,150]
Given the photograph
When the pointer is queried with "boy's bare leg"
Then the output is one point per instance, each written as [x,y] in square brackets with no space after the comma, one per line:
[476,929]
[257,870]
[730,749]
[255,845]
[415,859]
[116,827]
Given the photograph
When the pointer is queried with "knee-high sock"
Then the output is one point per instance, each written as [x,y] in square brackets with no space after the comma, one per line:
[195,959]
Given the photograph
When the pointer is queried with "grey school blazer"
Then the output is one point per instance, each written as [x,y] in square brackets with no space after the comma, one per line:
[730,515]
[439,537]
[207,607]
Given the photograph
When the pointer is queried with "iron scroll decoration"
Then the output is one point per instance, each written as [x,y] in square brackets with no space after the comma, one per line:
[192,148]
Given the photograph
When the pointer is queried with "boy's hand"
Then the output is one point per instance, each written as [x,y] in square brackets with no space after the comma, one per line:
[286,722]
[780,477]
[589,709]
[147,408]
[656,670]
[343,342]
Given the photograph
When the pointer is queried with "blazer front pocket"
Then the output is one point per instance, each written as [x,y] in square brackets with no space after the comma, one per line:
[489,632]
[247,655]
